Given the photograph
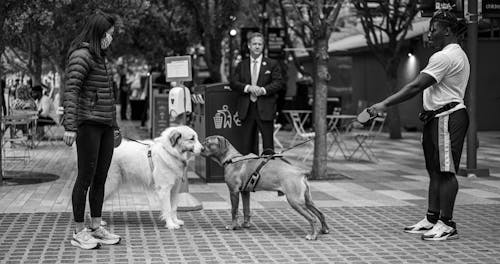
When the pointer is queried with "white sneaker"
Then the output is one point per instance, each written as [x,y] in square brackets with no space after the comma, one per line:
[441,231]
[421,227]
[104,236]
[85,240]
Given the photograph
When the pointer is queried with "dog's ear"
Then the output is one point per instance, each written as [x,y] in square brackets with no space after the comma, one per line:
[222,143]
[174,137]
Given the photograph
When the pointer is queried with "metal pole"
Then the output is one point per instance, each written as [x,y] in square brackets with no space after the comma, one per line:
[230,55]
[264,18]
[472,47]
[150,119]
[1,132]
[187,202]
[472,30]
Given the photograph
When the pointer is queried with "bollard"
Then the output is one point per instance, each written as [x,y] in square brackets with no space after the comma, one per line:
[186,201]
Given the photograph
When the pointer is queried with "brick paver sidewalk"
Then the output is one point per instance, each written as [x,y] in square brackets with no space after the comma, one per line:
[366,208]
[358,235]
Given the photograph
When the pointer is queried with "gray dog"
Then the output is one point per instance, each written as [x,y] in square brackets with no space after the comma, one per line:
[276,175]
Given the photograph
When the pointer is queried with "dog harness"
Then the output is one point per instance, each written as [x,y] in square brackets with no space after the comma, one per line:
[150,154]
[254,178]
[150,158]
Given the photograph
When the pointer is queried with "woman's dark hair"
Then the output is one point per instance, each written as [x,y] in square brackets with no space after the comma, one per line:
[445,18]
[93,31]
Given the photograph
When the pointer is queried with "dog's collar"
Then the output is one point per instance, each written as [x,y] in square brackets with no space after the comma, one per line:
[231,160]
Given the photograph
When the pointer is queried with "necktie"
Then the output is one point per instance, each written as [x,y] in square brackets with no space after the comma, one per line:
[255,76]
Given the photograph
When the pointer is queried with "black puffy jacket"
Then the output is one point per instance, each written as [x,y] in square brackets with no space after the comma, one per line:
[89,94]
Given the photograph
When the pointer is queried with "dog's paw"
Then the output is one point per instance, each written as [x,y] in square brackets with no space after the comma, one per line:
[179,222]
[325,231]
[172,226]
[246,224]
[163,217]
[311,237]
[233,227]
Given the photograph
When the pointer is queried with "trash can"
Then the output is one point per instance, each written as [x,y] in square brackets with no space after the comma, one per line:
[215,113]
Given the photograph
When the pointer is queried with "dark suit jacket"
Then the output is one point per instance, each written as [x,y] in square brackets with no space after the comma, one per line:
[269,78]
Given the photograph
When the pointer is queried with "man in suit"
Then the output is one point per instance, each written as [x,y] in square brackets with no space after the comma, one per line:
[258,80]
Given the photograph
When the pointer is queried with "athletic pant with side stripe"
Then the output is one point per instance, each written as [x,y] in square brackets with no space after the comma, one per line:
[442,141]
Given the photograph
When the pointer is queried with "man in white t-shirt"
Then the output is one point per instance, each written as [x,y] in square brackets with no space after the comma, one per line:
[443,82]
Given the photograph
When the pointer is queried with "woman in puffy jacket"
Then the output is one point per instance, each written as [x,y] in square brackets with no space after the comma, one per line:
[90,119]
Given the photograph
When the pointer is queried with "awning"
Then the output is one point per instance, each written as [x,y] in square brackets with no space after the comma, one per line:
[358,40]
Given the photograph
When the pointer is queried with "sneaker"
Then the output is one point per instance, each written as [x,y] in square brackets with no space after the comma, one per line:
[421,227]
[104,236]
[441,231]
[85,240]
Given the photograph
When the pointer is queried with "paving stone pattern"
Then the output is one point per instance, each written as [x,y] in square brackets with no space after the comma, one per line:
[358,235]
[366,211]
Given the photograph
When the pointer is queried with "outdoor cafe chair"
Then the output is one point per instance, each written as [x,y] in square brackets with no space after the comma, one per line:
[364,139]
[301,134]
[20,145]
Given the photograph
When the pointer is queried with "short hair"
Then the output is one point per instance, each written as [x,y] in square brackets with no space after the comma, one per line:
[447,19]
[255,35]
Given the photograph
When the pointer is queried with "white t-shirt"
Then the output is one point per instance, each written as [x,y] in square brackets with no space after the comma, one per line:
[450,68]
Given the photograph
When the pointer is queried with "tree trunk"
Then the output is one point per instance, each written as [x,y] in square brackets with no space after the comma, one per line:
[2,49]
[320,98]
[37,60]
[393,117]
[213,58]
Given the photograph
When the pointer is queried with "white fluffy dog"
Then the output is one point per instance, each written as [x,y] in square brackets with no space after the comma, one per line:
[158,166]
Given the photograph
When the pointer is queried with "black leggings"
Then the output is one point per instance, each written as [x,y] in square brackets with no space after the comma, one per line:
[94,148]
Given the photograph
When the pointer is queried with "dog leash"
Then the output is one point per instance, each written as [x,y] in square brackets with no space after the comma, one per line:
[270,156]
[150,155]
[137,141]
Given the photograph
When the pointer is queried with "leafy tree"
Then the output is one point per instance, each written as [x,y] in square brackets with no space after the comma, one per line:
[212,19]
[161,30]
[388,19]
[13,15]
[32,24]
[315,20]
[70,17]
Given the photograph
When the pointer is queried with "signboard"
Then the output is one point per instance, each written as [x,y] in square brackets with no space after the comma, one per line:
[160,117]
[428,7]
[491,8]
[245,35]
[178,69]
[276,43]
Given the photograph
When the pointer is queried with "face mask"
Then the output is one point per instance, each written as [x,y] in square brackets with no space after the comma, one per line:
[106,41]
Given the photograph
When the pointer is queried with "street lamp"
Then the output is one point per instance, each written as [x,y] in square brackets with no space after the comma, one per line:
[264,18]
[232,33]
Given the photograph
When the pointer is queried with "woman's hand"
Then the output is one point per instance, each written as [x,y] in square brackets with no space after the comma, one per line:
[69,137]
[117,137]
